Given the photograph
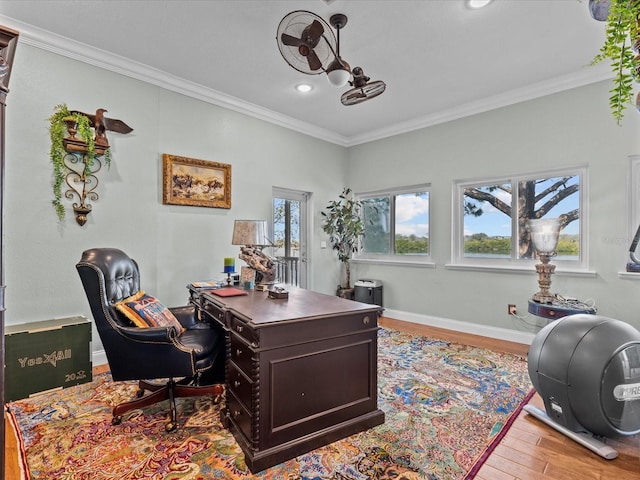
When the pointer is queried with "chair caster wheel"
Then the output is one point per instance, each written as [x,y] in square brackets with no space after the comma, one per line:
[170,427]
[116,420]
[140,393]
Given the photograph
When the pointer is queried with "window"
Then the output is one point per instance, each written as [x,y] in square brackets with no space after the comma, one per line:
[490,217]
[396,224]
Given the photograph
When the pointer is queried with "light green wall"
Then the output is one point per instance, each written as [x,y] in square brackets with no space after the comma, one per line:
[172,244]
[570,128]
[175,245]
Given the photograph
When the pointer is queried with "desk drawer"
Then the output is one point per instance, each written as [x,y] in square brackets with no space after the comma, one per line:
[240,385]
[240,327]
[240,416]
[213,311]
[241,354]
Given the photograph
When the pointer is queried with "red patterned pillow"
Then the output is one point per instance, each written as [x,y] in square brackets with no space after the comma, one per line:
[146,311]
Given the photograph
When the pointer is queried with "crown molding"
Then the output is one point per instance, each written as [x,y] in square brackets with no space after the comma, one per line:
[54,43]
[45,40]
[587,76]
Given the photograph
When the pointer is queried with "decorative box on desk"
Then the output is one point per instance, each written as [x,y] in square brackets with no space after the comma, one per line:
[46,355]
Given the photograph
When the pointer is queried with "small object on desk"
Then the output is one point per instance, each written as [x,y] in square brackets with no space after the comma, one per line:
[208,284]
[229,292]
[278,293]
[229,265]
[229,279]
[247,274]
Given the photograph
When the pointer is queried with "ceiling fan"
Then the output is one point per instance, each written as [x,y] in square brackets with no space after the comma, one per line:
[307,44]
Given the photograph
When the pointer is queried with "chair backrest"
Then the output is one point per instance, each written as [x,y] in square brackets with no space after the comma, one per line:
[108,275]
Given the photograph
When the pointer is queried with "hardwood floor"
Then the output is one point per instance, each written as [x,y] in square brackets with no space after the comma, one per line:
[530,451]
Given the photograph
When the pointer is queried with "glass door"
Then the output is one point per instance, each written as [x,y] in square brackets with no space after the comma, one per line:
[290,236]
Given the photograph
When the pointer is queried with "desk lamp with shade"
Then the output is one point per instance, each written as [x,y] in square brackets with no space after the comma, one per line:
[544,235]
[253,237]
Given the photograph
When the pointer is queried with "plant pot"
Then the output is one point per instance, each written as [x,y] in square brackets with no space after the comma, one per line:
[347,293]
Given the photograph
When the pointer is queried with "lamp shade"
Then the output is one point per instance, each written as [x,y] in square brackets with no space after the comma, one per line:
[338,76]
[250,232]
[544,234]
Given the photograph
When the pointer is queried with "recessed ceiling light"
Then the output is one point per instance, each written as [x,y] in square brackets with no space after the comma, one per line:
[477,3]
[304,87]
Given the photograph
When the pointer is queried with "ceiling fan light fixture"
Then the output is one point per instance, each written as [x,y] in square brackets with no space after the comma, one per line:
[338,77]
[338,73]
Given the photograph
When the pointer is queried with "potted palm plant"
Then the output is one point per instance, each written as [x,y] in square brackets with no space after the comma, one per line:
[621,47]
[344,224]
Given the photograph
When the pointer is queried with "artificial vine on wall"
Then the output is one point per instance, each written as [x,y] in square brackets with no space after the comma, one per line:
[79,145]
[622,49]
[59,127]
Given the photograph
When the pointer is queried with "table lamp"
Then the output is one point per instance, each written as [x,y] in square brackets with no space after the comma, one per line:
[544,235]
[252,235]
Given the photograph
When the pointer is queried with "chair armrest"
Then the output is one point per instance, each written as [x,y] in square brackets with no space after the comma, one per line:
[150,335]
[186,315]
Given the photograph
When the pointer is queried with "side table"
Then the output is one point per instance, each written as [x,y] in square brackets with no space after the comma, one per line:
[558,309]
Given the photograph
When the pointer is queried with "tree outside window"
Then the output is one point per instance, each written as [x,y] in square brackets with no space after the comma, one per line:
[495,214]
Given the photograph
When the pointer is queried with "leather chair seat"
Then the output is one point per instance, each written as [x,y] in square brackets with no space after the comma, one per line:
[204,341]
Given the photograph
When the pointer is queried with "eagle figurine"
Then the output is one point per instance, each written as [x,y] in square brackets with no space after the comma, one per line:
[101,124]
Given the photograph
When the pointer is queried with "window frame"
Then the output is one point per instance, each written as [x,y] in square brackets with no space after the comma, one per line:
[409,259]
[513,263]
[633,213]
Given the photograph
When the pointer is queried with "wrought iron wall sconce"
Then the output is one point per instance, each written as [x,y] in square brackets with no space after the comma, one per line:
[79,147]
[81,176]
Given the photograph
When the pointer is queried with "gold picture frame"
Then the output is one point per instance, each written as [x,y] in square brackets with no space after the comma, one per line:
[194,182]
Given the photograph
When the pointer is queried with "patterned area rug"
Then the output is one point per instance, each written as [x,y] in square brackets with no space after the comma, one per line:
[445,405]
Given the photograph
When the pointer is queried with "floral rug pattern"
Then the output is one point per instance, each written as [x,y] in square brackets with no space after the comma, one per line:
[444,403]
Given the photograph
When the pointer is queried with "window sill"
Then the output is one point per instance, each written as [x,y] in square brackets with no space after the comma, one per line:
[629,275]
[400,263]
[518,270]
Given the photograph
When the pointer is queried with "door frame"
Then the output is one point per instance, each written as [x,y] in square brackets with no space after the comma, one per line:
[303,198]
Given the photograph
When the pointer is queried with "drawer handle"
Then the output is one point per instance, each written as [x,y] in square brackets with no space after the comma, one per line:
[239,328]
[237,384]
[365,320]
[235,413]
[238,352]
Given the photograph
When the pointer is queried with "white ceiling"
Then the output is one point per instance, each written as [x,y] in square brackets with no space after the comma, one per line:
[439,59]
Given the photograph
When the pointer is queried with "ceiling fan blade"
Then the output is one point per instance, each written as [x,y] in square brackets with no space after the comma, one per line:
[290,40]
[314,61]
[313,33]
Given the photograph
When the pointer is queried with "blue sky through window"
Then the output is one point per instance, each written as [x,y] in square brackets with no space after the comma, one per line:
[495,223]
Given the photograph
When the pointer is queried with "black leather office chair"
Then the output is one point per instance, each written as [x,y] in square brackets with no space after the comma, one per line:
[194,356]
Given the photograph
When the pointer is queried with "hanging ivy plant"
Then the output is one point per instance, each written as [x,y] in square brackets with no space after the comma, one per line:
[622,37]
[58,130]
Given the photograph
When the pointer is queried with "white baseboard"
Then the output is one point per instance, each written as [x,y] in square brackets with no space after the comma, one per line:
[99,357]
[467,327]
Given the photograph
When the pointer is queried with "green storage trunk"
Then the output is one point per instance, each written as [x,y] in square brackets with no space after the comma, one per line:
[47,355]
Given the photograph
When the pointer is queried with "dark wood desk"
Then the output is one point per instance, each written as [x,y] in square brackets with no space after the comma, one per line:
[300,372]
